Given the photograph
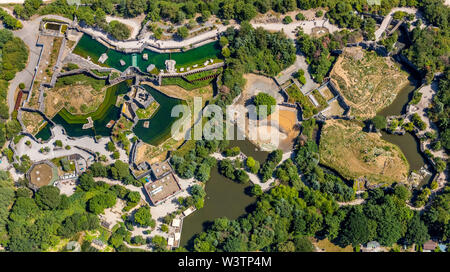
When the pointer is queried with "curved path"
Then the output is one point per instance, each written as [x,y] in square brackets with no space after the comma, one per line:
[387,20]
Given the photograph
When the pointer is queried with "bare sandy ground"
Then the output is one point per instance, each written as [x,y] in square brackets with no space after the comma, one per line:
[256,84]
[134,23]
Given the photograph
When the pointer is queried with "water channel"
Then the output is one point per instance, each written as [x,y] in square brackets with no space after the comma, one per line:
[89,47]
[407,143]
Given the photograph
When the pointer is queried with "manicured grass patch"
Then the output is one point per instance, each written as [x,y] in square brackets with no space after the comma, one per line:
[203,74]
[97,72]
[179,81]
[80,79]
[148,112]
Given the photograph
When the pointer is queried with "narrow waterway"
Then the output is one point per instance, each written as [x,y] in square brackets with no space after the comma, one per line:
[224,198]
[407,143]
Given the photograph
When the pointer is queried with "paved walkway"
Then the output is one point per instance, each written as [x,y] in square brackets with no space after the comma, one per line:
[387,19]
[300,63]
[148,39]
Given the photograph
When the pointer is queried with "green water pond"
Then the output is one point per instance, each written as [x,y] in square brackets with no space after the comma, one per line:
[87,46]
[45,133]
[161,122]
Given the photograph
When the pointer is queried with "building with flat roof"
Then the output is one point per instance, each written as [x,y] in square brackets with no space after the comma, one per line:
[163,188]
[161,169]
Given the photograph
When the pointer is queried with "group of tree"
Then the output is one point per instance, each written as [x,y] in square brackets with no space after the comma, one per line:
[14,54]
[317,52]
[267,169]
[119,170]
[429,50]
[252,50]
[197,162]
[197,197]
[285,217]
[28,9]
[440,110]
[37,222]
[9,21]
[265,105]
[234,170]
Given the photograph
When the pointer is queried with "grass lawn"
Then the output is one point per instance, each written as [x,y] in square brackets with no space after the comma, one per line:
[148,112]
[181,82]
[110,100]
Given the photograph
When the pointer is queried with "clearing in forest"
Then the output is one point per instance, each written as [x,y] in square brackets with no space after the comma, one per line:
[367,82]
[346,148]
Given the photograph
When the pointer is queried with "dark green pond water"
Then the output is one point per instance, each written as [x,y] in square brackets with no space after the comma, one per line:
[224,198]
[409,146]
[161,122]
[107,111]
[87,46]
[398,106]
[45,133]
[407,143]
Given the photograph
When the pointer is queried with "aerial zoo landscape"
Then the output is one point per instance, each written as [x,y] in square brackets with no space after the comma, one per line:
[238,126]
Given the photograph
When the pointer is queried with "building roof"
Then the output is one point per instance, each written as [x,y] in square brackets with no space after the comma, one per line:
[430,245]
[161,169]
[170,241]
[176,222]
[188,211]
[42,173]
[373,244]
[162,188]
